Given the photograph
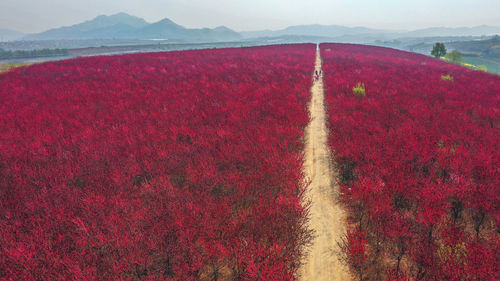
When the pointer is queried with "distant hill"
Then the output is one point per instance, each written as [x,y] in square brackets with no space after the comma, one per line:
[124,26]
[115,26]
[10,35]
[363,34]
[458,31]
[485,48]
[163,29]
[167,29]
[476,50]
[314,30]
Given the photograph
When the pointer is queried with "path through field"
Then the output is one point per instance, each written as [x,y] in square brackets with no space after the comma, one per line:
[327,218]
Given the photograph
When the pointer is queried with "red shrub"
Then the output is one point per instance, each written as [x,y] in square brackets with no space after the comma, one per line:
[165,166]
[418,158]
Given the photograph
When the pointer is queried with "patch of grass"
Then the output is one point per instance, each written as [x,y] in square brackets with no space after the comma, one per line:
[476,62]
[359,90]
[8,67]
[492,65]
[447,77]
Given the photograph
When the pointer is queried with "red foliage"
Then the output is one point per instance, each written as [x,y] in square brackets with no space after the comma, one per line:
[356,252]
[154,166]
[418,157]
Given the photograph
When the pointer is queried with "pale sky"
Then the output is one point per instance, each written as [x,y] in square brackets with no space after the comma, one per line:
[242,15]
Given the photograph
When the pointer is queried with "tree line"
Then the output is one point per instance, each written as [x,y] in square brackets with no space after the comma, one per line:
[32,53]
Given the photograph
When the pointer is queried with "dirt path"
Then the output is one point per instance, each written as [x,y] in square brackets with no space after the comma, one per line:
[327,218]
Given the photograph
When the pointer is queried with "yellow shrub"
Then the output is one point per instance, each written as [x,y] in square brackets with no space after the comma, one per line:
[452,253]
[359,90]
[447,78]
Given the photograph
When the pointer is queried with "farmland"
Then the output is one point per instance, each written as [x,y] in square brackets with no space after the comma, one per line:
[418,157]
[171,166]
[234,164]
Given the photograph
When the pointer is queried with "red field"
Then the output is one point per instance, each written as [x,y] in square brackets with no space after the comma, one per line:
[166,166]
[419,158]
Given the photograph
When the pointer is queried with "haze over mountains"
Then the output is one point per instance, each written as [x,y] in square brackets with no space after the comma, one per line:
[125,26]
[10,35]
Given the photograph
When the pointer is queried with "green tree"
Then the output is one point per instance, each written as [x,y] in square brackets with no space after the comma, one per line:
[439,50]
[455,57]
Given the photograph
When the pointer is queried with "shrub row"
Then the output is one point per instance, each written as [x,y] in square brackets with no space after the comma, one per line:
[418,160]
[165,166]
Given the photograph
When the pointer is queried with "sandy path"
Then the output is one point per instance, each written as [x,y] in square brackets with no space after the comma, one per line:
[327,218]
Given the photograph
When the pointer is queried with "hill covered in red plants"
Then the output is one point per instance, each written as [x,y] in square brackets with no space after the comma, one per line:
[165,166]
[418,151]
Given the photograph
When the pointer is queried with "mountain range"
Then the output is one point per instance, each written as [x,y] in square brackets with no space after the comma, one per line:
[125,26]
[364,34]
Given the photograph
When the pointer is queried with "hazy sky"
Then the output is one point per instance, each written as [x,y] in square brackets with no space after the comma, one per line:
[39,15]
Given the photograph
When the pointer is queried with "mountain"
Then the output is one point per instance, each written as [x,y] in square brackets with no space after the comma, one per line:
[167,29]
[363,34]
[482,30]
[103,21]
[164,29]
[487,48]
[124,26]
[115,26]
[10,35]
[314,30]
[225,33]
